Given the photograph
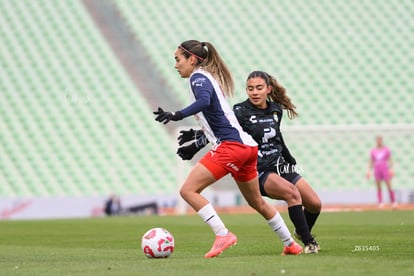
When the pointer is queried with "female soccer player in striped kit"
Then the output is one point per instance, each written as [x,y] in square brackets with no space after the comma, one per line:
[233,151]
[380,160]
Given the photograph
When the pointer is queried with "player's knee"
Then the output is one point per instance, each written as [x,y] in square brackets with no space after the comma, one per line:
[291,195]
[294,197]
[258,204]
[185,193]
[315,206]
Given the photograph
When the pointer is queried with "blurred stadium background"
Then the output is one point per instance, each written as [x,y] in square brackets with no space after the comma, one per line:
[79,80]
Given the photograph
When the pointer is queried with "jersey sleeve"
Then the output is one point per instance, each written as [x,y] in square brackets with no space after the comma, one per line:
[388,153]
[286,153]
[202,90]
[238,111]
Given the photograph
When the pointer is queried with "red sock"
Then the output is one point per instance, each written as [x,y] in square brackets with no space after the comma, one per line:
[392,196]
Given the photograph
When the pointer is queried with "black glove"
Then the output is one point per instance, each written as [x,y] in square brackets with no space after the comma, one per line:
[188,152]
[188,135]
[165,116]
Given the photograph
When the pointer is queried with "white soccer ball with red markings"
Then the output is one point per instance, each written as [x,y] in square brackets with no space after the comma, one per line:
[157,243]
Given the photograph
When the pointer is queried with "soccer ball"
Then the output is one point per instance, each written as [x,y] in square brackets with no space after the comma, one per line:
[157,243]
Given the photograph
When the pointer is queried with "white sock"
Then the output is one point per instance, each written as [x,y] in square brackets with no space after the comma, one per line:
[209,215]
[278,225]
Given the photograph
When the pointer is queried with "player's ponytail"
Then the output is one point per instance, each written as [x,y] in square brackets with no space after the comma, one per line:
[208,58]
[278,92]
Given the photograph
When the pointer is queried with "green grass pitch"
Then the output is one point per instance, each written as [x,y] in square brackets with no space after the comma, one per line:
[352,243]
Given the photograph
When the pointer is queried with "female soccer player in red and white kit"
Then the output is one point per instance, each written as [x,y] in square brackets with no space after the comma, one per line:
[233,151]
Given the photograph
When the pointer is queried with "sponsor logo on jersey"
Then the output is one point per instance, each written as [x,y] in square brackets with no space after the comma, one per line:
[268,133]
[253,119]
[199,82]
[265,120]
[233,166]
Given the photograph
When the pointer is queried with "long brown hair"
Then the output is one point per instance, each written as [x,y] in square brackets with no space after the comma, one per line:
[278,92]
[208,58]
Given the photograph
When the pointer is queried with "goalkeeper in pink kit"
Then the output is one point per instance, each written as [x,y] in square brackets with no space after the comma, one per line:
[381,162]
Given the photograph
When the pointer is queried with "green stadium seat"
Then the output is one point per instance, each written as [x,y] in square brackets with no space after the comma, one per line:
[68,103]
[76,125]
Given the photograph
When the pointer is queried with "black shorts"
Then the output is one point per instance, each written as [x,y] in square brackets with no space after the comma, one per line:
[284,170]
